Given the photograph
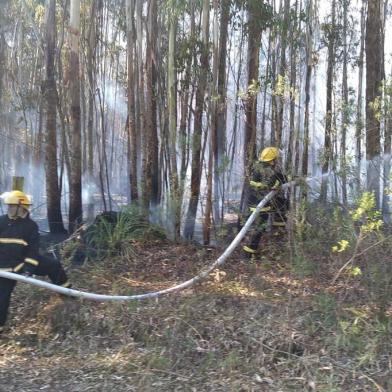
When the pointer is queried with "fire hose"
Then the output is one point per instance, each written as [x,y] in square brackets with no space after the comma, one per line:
[202,275]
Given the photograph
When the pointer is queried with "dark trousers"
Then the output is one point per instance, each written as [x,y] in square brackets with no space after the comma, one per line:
[47,267]
[279,207]
[260,226]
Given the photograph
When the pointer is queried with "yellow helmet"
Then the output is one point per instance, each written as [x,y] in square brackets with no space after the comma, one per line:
[268,154]
[16,197]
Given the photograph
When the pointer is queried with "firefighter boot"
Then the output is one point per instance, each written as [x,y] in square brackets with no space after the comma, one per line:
[249,253]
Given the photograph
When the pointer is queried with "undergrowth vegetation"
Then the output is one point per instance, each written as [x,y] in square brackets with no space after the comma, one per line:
[113,234]
[312,313]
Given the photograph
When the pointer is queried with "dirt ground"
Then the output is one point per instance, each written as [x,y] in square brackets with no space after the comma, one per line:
[253,326]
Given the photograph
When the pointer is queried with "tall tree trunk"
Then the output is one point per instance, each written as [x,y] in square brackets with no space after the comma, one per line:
[328,148]
[266,93]
[198,127]
[282,73]
[387,120]
[219,183]
[187,94]
[374,52]
[53,193]
[3,45]
[293,133]
[309,66]
[91,55]
[140,93]
[345,116]
[75,177]
[131,136]
[91,86]
[151,139]
[155,194]
[213,150]
[254,43]
[237,73]
[360,121]
[175,200]
[273,42]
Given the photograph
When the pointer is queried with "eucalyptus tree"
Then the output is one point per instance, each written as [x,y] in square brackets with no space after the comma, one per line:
[91,38]
[309,67]
[151,169]
[131,126]
[140,90]
[53,193]
[374,55]
[387,114]
[345,100]
[198,123]
[221,107]
[186,87]
[259,17]
[282,71]
[386,111]
[75,176]
[255,28]
[3,106]
[3,46]
[175,202]
[293,132]
[330,37]
[212,112]
[359,114]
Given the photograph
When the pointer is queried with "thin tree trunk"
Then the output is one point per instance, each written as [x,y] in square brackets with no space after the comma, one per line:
[282,73]
[91,87]
[290,167]
[75,186]
[221,106]
[175,200]
[198,127]
[345,117]
[91,54]
[186,98]
[212,151]
[360,121]
[140,93]
[132,147]
[328,148]
[387,97]
[309,66]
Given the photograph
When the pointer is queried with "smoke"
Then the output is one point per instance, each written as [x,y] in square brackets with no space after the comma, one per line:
[115,97]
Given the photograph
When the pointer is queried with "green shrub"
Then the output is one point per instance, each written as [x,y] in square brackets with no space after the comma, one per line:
[113,233]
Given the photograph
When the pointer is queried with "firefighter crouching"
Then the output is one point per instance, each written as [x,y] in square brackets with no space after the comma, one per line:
[266,175]
[19,250]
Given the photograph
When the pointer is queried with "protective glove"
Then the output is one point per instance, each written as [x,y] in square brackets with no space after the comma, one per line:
[256,184]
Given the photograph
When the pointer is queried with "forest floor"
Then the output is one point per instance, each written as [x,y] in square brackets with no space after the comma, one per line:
[253,326]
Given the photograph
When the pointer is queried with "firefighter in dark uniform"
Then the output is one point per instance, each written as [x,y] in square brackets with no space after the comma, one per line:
[266,175]
[19,250]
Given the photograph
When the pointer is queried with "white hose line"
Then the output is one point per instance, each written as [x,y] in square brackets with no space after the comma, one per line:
[202,275]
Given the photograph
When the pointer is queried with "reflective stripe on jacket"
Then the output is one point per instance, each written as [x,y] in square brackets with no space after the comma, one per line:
[263,180]
[19,243]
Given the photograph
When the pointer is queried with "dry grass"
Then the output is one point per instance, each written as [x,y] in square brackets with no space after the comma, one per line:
[251,327]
